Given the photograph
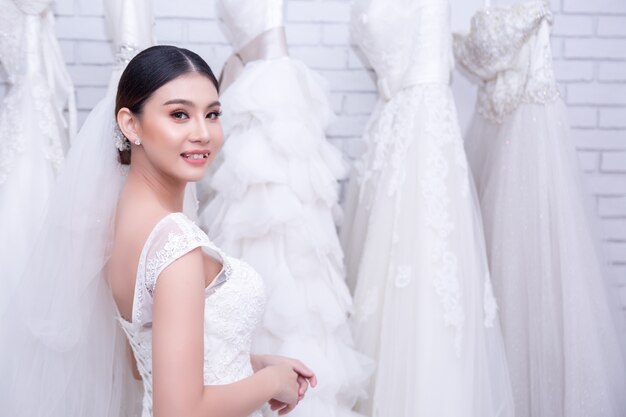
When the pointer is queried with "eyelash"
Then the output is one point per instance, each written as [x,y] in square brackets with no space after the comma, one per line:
[214,115]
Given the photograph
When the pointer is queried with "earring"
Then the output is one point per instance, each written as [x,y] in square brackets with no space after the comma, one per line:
[137,141]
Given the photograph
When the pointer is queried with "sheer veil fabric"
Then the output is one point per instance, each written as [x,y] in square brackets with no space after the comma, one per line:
[34,130]
[63,353]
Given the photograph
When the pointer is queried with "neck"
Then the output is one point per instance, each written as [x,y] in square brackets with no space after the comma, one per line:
[166,191]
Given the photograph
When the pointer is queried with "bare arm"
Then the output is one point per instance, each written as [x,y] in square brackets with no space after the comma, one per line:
[178,354]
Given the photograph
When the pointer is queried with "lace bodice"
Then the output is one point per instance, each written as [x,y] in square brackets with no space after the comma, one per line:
[407,42]
[243,20]
[234,304]
[508,49]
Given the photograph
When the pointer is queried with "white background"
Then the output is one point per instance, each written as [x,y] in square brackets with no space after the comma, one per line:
[589,47]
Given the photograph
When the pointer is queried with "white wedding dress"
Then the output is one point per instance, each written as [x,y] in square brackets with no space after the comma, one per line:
[234,304]
[413,237]
[273,195]
[563,348]
[34,132]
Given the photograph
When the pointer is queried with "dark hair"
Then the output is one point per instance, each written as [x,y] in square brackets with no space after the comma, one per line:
[151,69]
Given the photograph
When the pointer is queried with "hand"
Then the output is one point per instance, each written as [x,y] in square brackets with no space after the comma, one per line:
[283,408]
[307,376]
[287,387]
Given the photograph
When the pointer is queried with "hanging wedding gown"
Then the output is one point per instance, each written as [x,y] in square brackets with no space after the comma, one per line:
[273,198]
[423,302]
[562,346]
[34,132]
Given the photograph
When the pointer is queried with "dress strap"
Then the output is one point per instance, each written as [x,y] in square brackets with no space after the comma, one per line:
[173,237]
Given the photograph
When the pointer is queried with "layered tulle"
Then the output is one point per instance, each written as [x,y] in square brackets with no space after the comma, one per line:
[274,193]
[563,348]
[423,303]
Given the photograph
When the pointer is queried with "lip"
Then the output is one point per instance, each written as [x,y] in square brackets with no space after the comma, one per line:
[196,160]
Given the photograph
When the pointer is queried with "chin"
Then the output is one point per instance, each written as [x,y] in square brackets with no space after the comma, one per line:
[195,177]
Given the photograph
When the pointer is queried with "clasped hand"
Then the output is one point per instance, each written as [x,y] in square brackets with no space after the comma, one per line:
[293,376]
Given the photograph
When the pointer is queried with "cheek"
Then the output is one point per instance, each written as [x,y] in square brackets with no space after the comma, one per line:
[217,134]
[166,136]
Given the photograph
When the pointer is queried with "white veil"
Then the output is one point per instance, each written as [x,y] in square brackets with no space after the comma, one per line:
[62,352]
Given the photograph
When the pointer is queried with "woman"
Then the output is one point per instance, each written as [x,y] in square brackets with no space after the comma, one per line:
[188,310]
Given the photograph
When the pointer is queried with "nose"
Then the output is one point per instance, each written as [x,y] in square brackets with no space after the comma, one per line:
[201,133]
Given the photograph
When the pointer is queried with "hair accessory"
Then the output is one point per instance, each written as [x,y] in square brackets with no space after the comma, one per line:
[121,142]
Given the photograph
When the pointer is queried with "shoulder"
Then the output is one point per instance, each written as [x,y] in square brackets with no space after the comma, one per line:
[171,239]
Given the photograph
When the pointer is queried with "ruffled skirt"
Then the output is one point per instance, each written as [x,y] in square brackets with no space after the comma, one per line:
[271,201]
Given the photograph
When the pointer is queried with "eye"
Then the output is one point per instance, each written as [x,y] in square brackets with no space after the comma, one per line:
[180,115]
[214,115]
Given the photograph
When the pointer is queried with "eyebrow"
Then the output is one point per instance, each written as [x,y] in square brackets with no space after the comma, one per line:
[188,103]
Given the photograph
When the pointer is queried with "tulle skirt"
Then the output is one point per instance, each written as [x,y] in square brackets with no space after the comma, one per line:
[562,344]
[271,201]
[424,308]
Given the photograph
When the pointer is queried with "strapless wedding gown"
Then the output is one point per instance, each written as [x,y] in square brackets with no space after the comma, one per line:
[413,235]
[234,304]
[563,348]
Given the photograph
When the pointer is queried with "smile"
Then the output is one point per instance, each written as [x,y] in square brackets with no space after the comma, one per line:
[195,155]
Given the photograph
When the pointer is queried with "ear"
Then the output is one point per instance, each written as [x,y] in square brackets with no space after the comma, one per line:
[129,124]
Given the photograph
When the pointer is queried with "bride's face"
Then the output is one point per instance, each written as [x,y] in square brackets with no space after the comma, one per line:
[180,128]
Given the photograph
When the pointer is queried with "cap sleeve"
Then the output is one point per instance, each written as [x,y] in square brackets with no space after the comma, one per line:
[171,238]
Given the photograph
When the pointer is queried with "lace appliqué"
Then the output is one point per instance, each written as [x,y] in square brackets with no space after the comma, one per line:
[177,245]
[233,312]
[442,131]
[365,309]
[387,141]
[35,89]
[12,135]
[403,276]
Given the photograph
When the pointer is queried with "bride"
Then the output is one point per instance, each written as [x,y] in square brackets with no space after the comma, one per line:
[188,310]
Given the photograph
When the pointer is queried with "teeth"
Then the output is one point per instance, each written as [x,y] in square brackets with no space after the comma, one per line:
[197,156]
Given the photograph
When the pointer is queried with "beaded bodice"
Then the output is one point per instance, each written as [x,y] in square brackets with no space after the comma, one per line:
[234,304]
[508,49]
[407,42]
[243,20]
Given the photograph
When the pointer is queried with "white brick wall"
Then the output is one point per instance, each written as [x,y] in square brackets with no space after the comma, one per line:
[589,44]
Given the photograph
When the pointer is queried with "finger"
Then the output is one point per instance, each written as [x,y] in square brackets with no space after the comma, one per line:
[302,369]
[312,380]
[303,386]
[286,410]
[275,404]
